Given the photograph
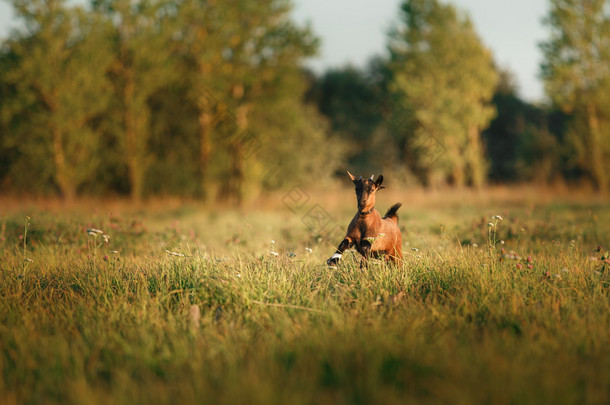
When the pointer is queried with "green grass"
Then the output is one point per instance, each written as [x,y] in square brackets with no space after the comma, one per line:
[523,320]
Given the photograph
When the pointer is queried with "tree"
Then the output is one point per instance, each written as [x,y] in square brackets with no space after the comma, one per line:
[444,79]
[58,78]
[142,64]
[522,141]
[576,72]
[242,54]
[352,100]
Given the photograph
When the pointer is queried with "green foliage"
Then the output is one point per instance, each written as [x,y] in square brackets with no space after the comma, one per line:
[575,71]
[158,97]
[209,99]
[243,60]
[57,75]
[140,67]
[445,79]
[524,141]
[353,100]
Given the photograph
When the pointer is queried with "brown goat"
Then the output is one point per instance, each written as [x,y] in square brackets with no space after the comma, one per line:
[371,234]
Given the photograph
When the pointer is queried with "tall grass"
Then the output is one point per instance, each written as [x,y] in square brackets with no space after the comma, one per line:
[520,316]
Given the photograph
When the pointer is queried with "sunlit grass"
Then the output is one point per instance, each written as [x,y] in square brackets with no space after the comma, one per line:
[194,307]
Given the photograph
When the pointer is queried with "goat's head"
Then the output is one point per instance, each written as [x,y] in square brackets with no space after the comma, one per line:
[365,191]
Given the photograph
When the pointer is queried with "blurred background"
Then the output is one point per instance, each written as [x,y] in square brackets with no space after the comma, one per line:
[227,101]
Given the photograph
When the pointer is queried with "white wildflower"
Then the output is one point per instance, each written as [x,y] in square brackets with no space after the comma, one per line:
[94,232]
[173,253]
[276,254]
[309,250]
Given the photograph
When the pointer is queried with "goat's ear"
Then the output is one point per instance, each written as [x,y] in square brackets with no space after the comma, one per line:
[351,176]
[378,182]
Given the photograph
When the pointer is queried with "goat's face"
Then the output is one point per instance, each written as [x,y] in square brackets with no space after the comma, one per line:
[365,191]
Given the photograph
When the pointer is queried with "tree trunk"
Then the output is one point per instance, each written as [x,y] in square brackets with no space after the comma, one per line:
[232,189]
[237,153]
[66,186]
[456,161]
[474,158]
[133,155]
[596,159]
[205,147]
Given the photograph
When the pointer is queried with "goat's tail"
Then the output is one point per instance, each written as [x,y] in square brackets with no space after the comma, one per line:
[392,212]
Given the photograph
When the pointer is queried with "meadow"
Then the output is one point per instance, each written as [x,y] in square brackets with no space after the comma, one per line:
[503,297]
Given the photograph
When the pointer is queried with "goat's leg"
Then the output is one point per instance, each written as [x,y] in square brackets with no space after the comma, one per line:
[334,259]
[365,249]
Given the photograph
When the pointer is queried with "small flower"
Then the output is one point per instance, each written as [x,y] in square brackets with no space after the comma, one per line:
[497,217]
[529,266]
[415,249]
[174,253]
[29,260]
[272,242]
[309,250]
[519,266]
[94,232]
[490,224]
[529,259]
[276,254]
[106,237]
[291,255]
[105,258]
[114,252]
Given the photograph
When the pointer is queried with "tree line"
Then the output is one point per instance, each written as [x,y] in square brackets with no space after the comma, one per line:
[211,99]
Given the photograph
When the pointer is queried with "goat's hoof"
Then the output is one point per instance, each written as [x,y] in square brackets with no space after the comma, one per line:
[332,262]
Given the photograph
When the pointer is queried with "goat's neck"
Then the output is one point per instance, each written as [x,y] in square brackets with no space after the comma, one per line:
[364,213]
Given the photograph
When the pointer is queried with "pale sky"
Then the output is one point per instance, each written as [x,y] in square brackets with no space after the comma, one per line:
[355,30]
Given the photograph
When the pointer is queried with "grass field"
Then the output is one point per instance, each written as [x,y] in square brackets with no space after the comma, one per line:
[186,304]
